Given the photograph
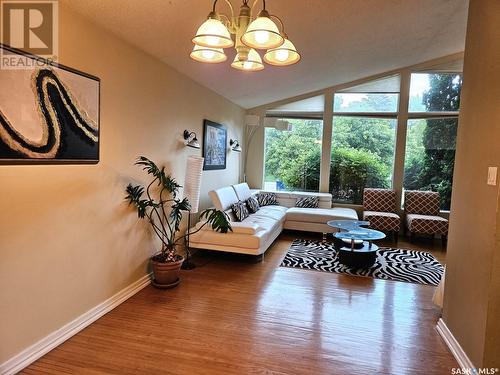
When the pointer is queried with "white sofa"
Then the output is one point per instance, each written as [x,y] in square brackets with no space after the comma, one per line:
[257,232]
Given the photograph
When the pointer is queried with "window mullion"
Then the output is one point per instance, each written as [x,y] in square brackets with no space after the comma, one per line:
[427,115]
[326,143]
[384,115]
[399,157]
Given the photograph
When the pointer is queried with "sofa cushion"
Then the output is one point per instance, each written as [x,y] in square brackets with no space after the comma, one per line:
[229,240]
[277,213]
[237,228]
[243,228]
[267,199]
[242,191]
[240,210]
[253,204]
[427,224]
[223,198]
[289,198]
[385,221]
[320,215]
[264,223]
[307,202]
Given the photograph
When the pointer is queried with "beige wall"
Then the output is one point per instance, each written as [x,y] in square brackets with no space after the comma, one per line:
[472,303]
[255,156]
[67,239]
[492,344]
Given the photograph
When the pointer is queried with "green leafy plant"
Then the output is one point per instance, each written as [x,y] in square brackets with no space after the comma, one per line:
[159,204]
[352,170]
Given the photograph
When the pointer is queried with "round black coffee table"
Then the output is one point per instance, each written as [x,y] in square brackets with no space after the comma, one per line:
[354,245]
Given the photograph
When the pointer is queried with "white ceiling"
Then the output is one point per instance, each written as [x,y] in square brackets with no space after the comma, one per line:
[340,40]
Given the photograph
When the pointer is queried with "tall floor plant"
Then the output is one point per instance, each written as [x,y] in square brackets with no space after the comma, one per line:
[159,204]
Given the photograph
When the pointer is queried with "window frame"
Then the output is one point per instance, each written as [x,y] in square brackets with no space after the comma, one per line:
[402,115]
[338,113]
[438,115]
[357,114]
[292,117]
[367,115]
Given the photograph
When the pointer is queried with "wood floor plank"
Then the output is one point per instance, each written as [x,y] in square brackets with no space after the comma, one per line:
[232,317]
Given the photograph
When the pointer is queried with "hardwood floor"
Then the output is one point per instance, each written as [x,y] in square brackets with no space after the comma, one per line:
[232,317]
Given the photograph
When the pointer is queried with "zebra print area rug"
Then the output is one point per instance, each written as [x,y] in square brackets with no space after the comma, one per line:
[391,264]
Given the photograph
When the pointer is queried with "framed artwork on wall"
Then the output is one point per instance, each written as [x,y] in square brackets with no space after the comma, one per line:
[49,113]
[214,145]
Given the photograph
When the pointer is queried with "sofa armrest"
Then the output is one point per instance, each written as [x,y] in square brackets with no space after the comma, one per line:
[241,228]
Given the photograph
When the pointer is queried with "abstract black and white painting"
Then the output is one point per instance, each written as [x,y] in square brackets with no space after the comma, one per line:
[214,146]
[48,113]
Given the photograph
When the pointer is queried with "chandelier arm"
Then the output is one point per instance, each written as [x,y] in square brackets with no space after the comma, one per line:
[228,21]
[228,3]
[280,21]
[254,3]
[231,7]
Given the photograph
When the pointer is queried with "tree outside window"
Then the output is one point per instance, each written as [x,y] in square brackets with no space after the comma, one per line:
[431,142]
[364,139]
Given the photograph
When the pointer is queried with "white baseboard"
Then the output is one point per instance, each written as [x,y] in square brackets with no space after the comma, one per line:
[463,361]
[42,347]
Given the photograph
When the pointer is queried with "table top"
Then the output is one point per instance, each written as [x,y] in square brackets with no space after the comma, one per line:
[355,230]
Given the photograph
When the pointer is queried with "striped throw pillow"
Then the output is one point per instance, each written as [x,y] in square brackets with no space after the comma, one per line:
[240,210]
[307,202]
[267,199]
[253,204]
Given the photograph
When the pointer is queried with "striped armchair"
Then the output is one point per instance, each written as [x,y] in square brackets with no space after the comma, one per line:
[422,214]
[379,207]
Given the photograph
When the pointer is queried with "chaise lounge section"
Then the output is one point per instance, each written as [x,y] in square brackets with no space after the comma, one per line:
[255,234]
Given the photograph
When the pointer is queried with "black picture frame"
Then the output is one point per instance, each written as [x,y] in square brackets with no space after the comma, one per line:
[214,146]
[77,144]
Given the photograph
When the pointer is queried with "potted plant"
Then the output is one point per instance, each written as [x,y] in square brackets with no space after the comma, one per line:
[163,209]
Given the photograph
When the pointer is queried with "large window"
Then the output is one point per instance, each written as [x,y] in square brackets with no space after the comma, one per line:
[430,156]
[293,156]
[367,134]
[431,140]
[363,138]
[362,156]
[360,103]
[435,92]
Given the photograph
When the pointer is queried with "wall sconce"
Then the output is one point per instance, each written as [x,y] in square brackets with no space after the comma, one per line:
[190,139]
[235,145]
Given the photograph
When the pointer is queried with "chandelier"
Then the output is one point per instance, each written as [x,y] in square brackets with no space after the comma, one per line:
[251,34]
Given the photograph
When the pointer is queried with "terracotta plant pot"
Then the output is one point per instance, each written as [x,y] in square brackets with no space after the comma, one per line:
[166,275]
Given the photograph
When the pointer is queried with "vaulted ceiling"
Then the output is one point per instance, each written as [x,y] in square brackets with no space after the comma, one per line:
[340,40]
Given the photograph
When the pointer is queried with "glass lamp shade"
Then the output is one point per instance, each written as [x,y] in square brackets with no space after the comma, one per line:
[285,54]
[212,33]
[208,55]
[252,64]
[262,33]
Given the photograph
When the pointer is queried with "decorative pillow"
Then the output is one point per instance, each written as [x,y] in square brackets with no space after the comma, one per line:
[267,199]
[307,202]
[253,204]
[240,210]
